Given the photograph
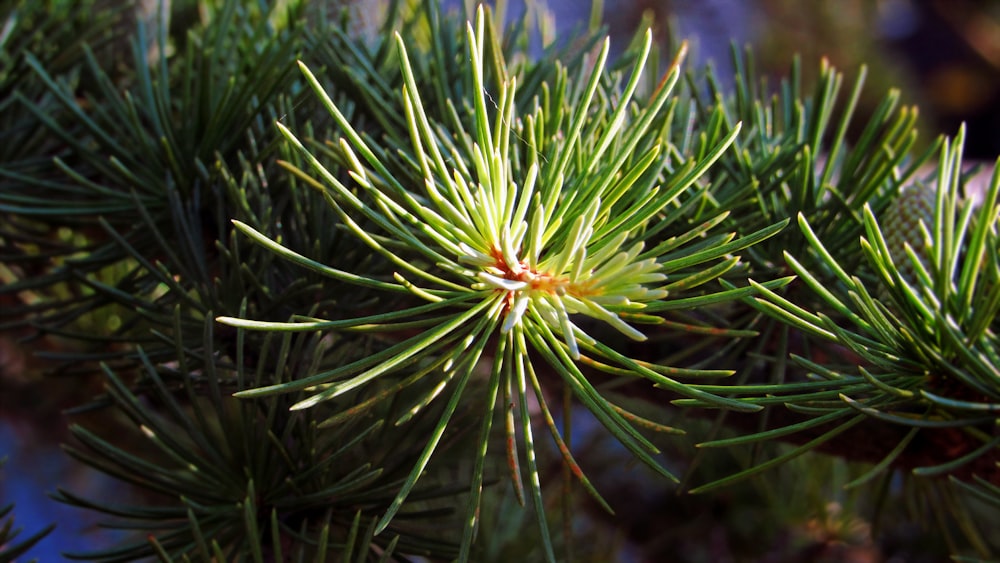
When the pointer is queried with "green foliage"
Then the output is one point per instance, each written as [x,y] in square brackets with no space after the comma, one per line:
[923,356]
[255,480]
[55,34]
[155,169]
[793,156]
[425,246]
[540,217]
[897,329]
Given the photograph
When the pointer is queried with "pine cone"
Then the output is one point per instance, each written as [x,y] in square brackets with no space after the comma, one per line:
[901,226]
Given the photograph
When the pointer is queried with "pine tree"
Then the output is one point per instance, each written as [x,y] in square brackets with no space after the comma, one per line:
[358,295]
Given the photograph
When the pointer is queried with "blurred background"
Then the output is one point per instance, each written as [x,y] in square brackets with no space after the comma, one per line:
[944,55]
